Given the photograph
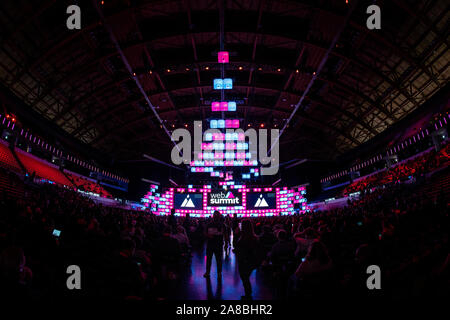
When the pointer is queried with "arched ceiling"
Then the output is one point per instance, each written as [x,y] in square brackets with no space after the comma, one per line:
[371,78]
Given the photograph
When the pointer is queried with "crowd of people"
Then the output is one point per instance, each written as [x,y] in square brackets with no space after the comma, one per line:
[415,168]
[136,255]
[88,185]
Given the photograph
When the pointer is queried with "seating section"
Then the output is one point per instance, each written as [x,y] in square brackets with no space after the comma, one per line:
[43,169]
[7,159]
[415,167]
[11,184]
[438,186]
[88,185]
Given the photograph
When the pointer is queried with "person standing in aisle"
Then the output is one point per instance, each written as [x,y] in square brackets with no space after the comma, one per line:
[248,255]
[214,243]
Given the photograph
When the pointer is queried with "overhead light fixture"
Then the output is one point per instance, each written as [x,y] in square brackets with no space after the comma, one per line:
[227,83]
[223,57]
[215,106]
[231,106]
[218,84]
[224,124]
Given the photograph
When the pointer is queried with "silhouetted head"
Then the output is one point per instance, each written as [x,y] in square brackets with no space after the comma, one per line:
[318,251]
[127,247]
[216,215]
[282,235]
[12,261]
[362,253]
[246,228]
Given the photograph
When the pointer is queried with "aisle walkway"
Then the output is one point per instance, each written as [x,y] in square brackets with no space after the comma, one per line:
[193,286]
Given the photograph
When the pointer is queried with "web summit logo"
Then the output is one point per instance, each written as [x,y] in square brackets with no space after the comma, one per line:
[187,203]
[224,198]
[261,203]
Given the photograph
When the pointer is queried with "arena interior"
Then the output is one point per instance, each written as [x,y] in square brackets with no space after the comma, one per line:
[167,150]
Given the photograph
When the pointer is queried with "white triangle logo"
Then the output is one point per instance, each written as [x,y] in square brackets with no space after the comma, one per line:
[261,202]
[187,203]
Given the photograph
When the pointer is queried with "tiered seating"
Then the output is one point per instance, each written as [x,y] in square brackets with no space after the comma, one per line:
[414,167]
[439,185]
[11,184]
[7,159]
[42,168]
[88,185]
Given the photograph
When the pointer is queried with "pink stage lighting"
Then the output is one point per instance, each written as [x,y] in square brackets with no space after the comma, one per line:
[215,106]
[223,57]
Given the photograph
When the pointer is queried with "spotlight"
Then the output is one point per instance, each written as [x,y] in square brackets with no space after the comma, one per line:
[168,70]
[240,68]
[279,70]
[262,125]
[206,68]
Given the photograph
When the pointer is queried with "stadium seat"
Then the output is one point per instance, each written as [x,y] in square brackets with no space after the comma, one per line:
[7,159]
[42,168]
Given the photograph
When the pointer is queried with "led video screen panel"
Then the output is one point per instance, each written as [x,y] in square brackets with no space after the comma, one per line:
[237,200]
[261,200]
[190,201]
[221,198]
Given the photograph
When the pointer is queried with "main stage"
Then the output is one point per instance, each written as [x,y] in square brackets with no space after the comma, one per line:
[239,200]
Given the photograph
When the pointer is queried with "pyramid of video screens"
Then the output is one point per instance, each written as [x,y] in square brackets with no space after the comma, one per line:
[223,150]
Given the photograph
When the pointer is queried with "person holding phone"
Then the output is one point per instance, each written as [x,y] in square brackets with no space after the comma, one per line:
[214,243]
